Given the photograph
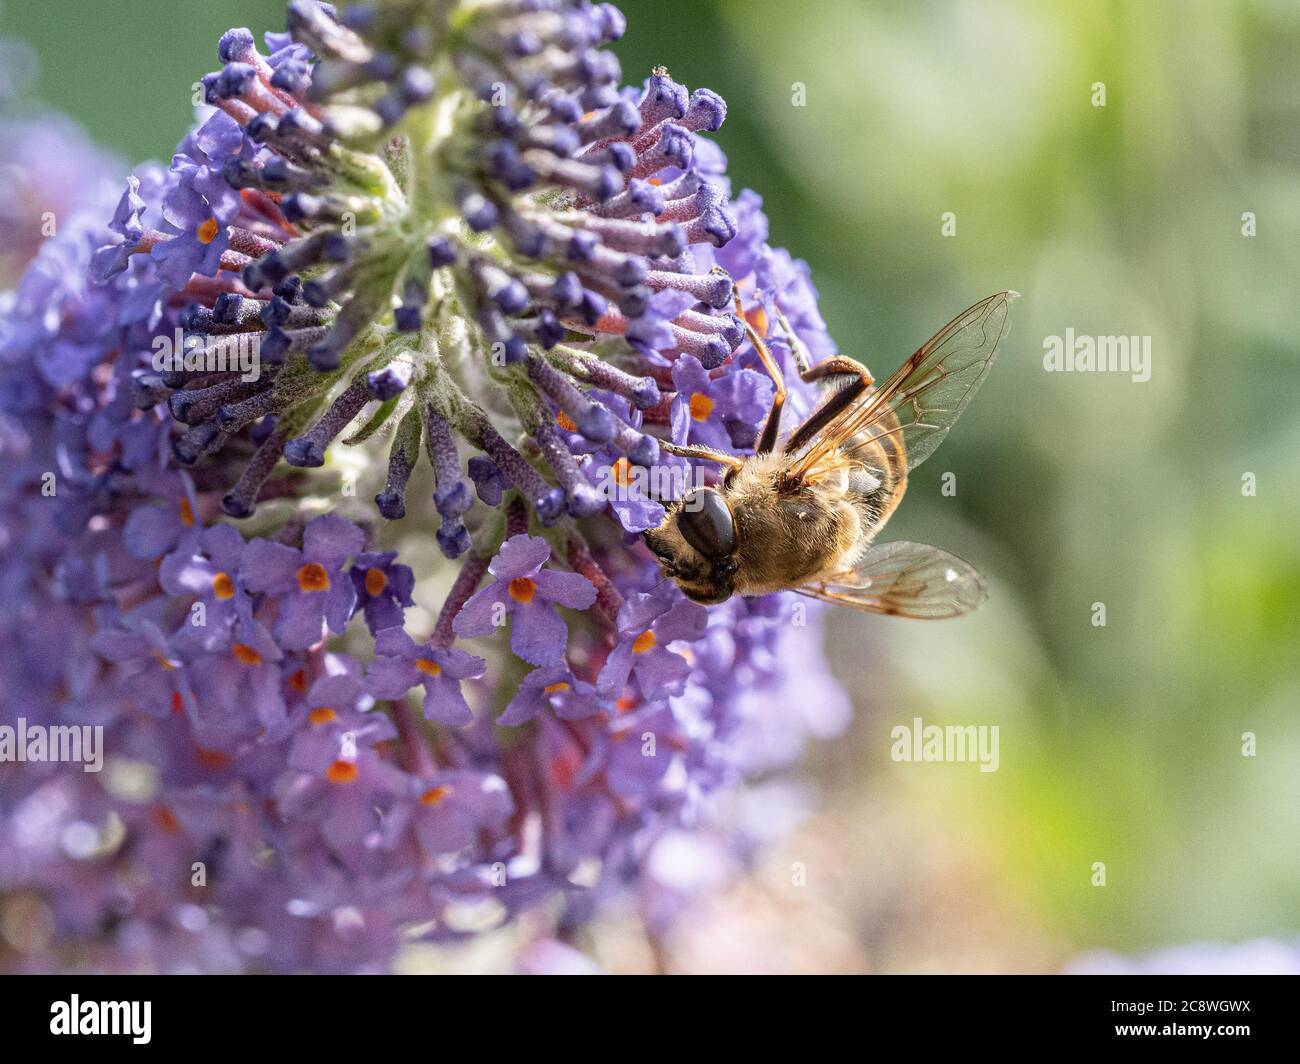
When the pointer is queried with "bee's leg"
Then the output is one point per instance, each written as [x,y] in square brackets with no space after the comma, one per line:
[835,366]
[858,381]
[730,461]
[771,426]
[839,366]
[797,348]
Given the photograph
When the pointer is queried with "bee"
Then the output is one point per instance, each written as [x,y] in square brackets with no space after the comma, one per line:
[802,513]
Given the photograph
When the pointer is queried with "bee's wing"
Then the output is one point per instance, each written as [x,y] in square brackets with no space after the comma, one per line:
[905,580]
[919,402]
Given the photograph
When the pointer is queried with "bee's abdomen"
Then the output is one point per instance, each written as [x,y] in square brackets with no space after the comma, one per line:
[880,477]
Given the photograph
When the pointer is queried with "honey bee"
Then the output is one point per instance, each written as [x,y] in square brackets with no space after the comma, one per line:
[803,511]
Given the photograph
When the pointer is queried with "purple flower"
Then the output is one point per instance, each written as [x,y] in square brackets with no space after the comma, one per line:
[209,569]
[329,822]
[726,413]
[333,719]
[112,259]
[154,529]
[309,585]
[528,594]
[556,687]
[237,691]
[403,663]
[343,800]
[647,624]
[383,588]
[449,811]
[199,203]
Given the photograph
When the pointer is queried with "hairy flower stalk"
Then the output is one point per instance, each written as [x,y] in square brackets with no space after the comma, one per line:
[424,271]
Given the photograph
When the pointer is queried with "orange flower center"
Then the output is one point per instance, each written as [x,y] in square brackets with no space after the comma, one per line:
[322,715]
[625,704]
[341,772]
[701,406]
[758,319]
[246,655]
[555,688]
[207,232]
[213,759]
[565,422]
[643,642]
[428,666]
[166,663]
[313,577]
[165,819]
[434,795]
[376,581]
[522,589]
[187,513]
[622,470]
[223,587]
[298,680]
[178,703]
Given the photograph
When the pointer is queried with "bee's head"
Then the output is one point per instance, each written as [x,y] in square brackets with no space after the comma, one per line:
[696,546]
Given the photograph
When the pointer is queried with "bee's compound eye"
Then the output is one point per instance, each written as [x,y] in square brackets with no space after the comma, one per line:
[706,523]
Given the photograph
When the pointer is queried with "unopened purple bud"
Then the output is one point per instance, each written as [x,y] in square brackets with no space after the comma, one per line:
[635,301]
[516,350]
[610,183]
[585,501]
[383,66]
[489,481]
[645,393]
[610,20]
[511,296]
[479,212]
[592,307]
[261,431]
[707,111]
[549,330]
[551,506]
[225,308]
[441,252]
[292,76]
[524,43]
[391,504]
[452,500]
[714,352]
[596,423]
[147,392]
[632,270]
[716,225]
[262,128]
[276,312]
[391,380]
[337,248]
[453,538]
[236,45]
[644,451]
[582,246]
[418,85]
[290,289]
[304,452]
[234,79]
[567,291]
[406,318]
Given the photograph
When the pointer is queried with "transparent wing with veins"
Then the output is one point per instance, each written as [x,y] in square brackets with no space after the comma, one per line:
[921,400]
[905,580]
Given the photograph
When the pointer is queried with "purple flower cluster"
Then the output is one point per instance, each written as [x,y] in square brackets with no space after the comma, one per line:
[443,239]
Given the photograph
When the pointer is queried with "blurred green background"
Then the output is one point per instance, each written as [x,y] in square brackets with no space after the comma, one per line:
[1120,744]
